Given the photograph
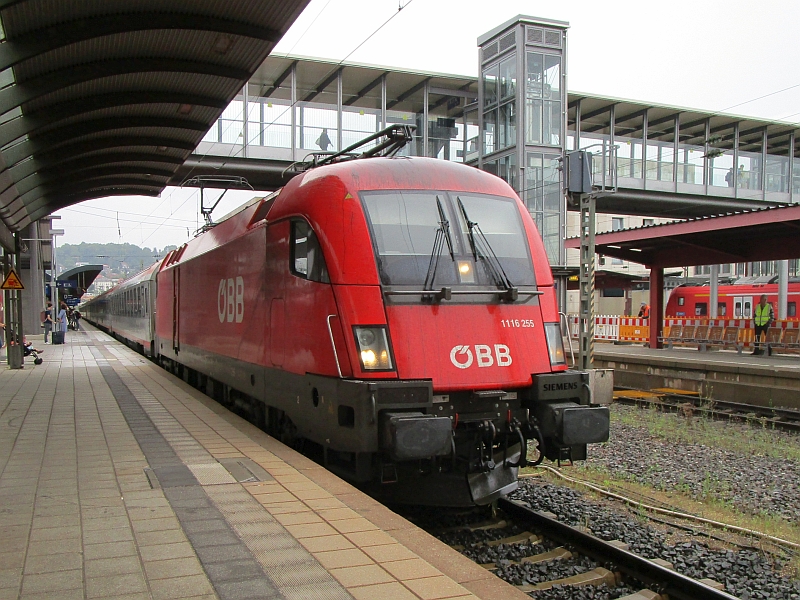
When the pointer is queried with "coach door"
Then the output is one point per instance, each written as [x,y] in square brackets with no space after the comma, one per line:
[742,307]
[176,302]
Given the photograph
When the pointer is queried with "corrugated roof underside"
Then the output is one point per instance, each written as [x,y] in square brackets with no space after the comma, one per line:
[159,71]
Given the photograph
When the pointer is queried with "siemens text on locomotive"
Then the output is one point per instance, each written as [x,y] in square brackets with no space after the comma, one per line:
[399,313]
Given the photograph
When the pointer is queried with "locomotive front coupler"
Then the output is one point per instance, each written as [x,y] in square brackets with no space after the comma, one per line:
[515,433]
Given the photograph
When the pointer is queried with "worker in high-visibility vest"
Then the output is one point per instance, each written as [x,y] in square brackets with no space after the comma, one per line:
[644,311]
[763,317]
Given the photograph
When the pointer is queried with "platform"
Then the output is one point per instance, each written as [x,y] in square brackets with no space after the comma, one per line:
[118,480]
[720,375]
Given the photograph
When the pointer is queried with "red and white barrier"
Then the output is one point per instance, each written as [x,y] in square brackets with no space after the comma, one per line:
[610,328]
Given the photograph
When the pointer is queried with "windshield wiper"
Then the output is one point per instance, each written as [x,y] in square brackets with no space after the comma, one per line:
[442,237]
[482,249]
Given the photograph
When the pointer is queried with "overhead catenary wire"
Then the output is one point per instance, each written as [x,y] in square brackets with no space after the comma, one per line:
[177,209]
[122,219]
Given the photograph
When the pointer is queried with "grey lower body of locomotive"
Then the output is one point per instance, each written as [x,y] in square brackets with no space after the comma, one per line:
[391,437]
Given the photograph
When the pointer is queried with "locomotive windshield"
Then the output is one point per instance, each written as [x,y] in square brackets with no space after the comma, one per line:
[406,225]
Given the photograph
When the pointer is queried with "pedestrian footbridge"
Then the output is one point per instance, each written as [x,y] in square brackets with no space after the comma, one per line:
[670,162]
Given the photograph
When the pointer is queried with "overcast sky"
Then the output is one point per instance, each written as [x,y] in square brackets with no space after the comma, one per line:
[712,55]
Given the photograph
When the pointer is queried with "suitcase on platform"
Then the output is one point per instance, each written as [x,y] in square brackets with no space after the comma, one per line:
[58,337]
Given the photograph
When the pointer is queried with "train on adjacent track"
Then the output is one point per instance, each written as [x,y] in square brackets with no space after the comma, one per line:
[733,301]
[396,314]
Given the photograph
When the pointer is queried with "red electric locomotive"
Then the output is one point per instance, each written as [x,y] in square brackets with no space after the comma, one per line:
[397,312]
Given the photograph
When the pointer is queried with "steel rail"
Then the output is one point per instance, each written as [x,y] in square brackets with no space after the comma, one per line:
[720,408]
[663,580]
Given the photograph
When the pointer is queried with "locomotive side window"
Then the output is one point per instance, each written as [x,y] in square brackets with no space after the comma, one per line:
[307,260]
[681,301]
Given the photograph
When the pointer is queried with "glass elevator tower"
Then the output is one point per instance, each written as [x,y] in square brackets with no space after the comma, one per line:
[522,100]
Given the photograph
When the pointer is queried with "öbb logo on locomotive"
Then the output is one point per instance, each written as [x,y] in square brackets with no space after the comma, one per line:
[230,300]
[463,358]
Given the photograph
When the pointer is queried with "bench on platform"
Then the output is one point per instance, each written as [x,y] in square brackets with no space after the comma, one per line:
[791,340]
[787,342]
[701,334]
[724,338]
[672,333]
[714,337]
[689,335]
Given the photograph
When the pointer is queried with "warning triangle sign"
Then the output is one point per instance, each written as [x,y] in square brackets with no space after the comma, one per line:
[12,282]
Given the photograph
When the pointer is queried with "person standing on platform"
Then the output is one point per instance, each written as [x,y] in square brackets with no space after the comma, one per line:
[644,311]
[62,318]
[323,141]
[764,317]
[48,321]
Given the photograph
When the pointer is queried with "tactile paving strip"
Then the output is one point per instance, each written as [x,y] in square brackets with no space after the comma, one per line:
[289,565]
[230,566]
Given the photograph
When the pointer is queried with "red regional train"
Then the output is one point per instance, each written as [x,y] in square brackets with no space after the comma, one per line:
[733,301]
[399,313]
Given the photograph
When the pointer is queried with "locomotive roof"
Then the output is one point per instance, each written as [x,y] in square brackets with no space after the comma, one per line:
[404,172]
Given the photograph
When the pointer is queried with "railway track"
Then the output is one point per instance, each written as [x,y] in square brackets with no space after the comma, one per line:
[541,555]
[685,401]
[618,563]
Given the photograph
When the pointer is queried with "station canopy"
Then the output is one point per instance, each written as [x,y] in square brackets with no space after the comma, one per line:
[751,236]
[109,97]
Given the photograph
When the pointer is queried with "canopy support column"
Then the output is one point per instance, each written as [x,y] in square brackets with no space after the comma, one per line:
[783,288]
[714,296]
[656,305]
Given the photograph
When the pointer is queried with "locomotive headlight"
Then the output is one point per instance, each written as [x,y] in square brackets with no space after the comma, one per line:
[373,348]
[555,345]
[465,272]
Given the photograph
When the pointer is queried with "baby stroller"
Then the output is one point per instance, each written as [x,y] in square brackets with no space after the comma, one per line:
[29,350]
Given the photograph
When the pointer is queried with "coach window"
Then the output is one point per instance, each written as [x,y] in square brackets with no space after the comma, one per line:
[722,309]
[700,309]
[307,261]
[791,309]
